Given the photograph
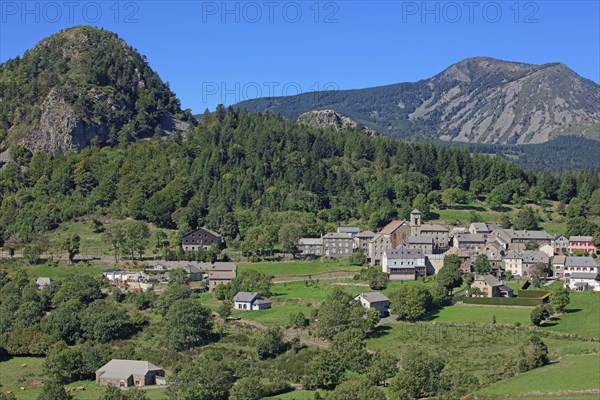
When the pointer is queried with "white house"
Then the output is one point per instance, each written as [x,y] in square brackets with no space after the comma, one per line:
[404,264]
[579,264]
[584,281]
[114,275]
[375,300]
[250,302]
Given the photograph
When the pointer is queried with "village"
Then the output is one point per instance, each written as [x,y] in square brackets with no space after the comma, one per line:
[408,250]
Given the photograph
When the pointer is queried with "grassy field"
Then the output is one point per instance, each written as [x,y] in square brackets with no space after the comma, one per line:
[582,316]
[503,315]
[555,227]
[91,243]
[464,215]
[300,268]
[31,378]
[570,373]
[59,271]
[482,351]
[294,297]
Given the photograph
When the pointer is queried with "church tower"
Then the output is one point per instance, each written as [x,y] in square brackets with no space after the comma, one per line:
[415,222]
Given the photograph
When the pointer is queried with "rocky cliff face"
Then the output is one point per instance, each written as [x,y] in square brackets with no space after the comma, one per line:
[480,99]
[61,129]
[331,119]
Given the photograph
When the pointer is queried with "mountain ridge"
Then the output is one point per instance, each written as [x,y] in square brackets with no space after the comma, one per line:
[479,99]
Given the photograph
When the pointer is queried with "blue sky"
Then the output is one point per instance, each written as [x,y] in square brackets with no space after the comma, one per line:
[215,52]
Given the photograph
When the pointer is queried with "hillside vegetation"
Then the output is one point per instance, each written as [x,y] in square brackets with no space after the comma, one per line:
[238,171]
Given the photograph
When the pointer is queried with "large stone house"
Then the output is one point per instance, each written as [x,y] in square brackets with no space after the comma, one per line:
[311,246]
[375,300]
[561,245]
[337,245]
[490,286]
[404,264]
[473,243]
[377,246]
[248,301]
[221,274]
[398,232]
[201,238]
[495,254]
[352,231]
[558,266]
[510,239]
[519,262]
[438,233]
[361,241]
[482,228]
[125,373]
[425,243]
[582,244]
[463,256]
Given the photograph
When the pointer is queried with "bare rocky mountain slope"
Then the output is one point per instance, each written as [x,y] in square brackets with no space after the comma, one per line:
[479,100]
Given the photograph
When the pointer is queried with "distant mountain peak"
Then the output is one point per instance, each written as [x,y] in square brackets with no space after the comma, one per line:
[479,99]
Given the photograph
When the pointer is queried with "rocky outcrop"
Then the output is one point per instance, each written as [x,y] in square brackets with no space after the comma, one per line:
[60,129]
[331,119]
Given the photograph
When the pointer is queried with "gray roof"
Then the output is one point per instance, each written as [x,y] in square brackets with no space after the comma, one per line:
[246,297]
[42,281]
[366,234]
[585,275]
[348,229]
[374,297]
[587,262]
[433,228]
[311,241]
[581,239]
[492,226]
[262,301]
[559,260]
[415,211]
[489,279]
[420,240]
[336,235]
[528,256]
[403,253]
[125,368]
[221,275]
[220,266]
[470,238]
[481,227]
[190,269]
[532,235]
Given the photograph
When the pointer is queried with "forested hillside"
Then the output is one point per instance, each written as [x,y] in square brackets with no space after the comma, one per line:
[237,169]
[565,153]
[81,85]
